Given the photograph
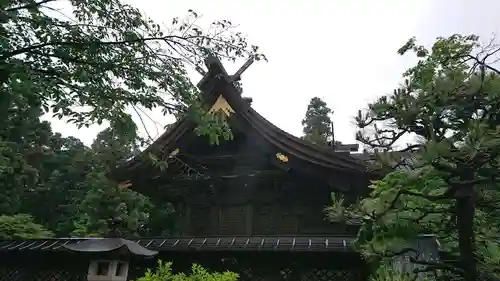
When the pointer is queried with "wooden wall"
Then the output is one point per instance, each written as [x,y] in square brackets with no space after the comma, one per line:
[264,207]
[250,219]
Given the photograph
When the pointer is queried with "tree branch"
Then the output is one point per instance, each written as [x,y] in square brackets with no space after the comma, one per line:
[28,6]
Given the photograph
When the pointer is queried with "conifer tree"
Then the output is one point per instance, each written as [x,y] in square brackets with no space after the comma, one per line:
[317,124]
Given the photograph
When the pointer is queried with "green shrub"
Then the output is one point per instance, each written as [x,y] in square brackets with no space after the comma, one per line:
[386,272]
[22,226]
[164,273]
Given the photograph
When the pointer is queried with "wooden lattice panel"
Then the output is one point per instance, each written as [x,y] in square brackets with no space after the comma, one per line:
[286,274]
[233,220]
[289,224]
[200,220]
[330,275]
[33,274]
[7,274]
[247,274]
[265,220]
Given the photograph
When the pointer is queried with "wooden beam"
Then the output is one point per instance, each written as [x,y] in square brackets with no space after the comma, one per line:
[237,75]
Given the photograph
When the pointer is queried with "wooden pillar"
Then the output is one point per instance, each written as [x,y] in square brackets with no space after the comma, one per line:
[187,221]
[249,220]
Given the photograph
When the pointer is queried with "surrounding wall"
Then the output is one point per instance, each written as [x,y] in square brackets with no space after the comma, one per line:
[40,266]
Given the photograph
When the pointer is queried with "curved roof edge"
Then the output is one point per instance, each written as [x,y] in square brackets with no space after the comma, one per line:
[285,243]
[218,79]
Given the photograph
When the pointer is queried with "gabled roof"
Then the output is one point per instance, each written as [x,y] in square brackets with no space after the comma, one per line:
[218,87]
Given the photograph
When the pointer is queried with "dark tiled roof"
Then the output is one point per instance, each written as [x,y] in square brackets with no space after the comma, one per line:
[174,244]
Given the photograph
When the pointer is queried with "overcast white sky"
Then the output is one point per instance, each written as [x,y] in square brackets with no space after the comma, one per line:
[341,51]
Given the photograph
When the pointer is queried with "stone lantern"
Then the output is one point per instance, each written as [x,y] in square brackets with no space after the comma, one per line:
[426,249]
[110,257]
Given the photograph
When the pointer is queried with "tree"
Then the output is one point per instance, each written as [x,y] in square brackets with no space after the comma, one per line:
[53,200]
[59,182]
[105,58]
[23,138]
[39,170]
[21,226]
[447,179]
[107,209]
[317,124]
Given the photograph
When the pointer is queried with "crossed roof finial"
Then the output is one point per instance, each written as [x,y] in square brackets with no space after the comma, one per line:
[232,78]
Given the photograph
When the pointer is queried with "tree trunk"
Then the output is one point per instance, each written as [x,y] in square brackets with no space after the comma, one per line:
[465,223]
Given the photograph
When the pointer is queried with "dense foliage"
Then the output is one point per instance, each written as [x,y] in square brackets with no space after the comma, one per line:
[21,226]
[104,56]
[91,62]
[67,191]
[446,179]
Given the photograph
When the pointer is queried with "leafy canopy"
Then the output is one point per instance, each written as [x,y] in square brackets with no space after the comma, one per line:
[21,226]
[446,178]
[61,183]
[104,58]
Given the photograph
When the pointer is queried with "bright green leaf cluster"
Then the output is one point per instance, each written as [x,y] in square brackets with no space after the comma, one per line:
[21,226]
[164,272]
